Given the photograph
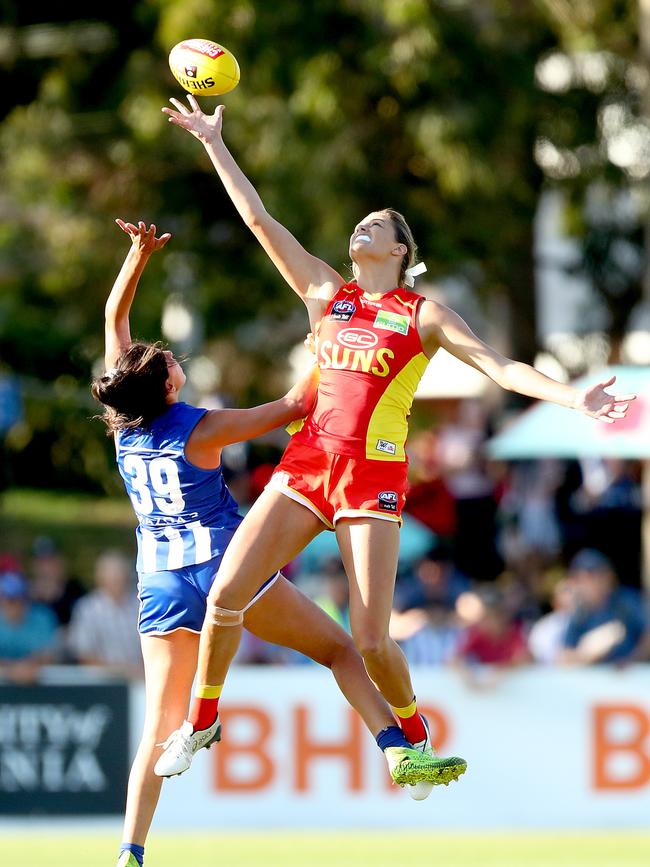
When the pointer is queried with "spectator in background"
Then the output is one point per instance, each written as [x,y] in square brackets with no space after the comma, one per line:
[427,635]
[434,581]
[493,637]
[547,636]
[464,470]
[609,623]
[527,512]
[52,584]
[609,509]
[10,563]
[103,626]
[423,620]
[429,499]
[28,631]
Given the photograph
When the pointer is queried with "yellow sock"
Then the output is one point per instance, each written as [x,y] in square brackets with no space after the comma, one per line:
[411,722]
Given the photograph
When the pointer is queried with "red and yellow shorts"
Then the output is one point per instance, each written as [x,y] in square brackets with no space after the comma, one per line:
[336,486]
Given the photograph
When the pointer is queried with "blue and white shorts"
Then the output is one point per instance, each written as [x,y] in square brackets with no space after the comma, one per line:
[171,600]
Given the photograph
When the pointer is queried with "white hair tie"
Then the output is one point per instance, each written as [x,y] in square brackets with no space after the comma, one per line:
[111,372]
[413,272]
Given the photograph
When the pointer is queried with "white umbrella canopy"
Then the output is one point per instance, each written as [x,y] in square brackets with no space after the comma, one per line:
[547,430]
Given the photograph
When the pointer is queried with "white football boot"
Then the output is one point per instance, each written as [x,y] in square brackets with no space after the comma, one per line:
[182,745]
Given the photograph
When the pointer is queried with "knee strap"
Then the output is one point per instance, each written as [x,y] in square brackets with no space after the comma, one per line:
[225,617]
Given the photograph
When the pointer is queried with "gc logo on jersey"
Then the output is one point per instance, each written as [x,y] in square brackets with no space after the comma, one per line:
[357,338]
[387,501]
[343,310]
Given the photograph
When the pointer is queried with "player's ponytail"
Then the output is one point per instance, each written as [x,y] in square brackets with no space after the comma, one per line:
[134,392]
[403,235]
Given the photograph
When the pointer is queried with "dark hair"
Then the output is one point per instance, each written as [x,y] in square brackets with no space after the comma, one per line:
[403,235]
[133,392]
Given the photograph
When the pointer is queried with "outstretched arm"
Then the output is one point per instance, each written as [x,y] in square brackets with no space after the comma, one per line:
[440,326]
[311,278]
[116,325]
[221,427]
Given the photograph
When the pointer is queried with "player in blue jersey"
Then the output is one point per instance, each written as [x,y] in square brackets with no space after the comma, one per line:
[169,454]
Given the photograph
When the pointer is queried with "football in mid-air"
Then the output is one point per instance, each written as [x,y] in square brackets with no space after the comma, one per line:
[203,67]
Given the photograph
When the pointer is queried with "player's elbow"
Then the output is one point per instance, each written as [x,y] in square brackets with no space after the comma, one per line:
[111,313]
[256,219]
[504,374]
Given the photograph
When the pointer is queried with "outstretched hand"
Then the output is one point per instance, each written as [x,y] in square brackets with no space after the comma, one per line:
[205,127]
[143,239]
[597,403]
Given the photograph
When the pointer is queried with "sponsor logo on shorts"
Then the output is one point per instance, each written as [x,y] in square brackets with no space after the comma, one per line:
[190,71]
[357,338]
[386,446]
[392,322]
[343,310]
[387,501]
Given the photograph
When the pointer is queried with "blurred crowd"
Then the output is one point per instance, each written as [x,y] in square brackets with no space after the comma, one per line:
[531,562]
[48,616]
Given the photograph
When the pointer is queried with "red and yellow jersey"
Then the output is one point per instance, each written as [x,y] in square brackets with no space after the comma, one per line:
[371,361]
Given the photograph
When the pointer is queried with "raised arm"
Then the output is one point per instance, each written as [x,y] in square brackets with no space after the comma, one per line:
[116,324]
[221,427]
[441,327]
[311,278]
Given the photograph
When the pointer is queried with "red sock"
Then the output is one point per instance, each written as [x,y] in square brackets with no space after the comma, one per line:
[204,706]
[411,722]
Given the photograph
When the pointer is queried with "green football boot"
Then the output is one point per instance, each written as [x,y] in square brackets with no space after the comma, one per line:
[409,766]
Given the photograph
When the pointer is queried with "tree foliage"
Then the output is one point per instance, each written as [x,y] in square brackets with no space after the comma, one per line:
[428,106]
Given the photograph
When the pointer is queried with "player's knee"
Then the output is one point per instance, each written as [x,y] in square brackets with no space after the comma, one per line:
[224,598]
[371,643]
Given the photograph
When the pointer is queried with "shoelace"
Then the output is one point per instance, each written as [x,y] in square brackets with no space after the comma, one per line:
[180,740]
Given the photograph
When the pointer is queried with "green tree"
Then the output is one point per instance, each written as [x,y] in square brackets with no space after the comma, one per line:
[596,144]
[344,106]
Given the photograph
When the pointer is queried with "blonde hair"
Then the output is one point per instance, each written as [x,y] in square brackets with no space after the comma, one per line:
[403,235]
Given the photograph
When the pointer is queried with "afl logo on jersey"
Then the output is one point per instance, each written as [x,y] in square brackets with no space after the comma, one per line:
[343,310]
[387,501]
[357,338]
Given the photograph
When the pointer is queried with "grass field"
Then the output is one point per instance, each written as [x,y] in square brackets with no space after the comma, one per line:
[278,849]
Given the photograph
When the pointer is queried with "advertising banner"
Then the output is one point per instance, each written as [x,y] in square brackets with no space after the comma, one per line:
[63,749]
[546,749]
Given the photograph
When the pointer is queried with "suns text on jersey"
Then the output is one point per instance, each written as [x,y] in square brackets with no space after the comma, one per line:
[338,357]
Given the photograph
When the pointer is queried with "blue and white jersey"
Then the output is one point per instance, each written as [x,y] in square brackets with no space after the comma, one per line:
[186,515]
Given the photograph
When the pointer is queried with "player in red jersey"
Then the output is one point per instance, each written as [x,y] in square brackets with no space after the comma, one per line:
[346,469]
